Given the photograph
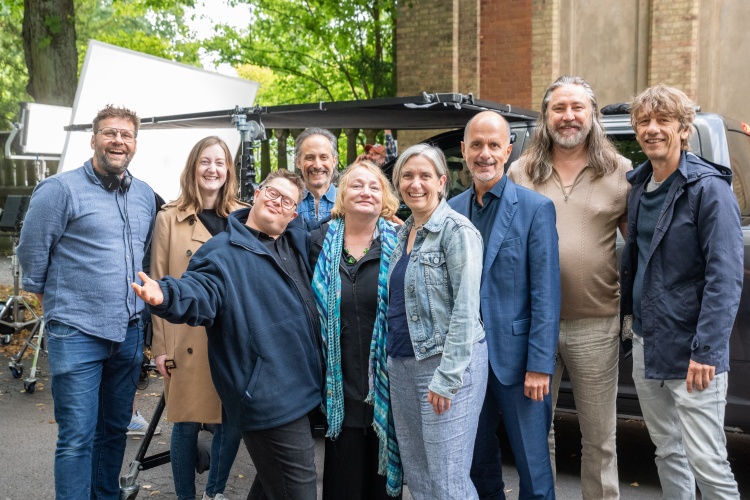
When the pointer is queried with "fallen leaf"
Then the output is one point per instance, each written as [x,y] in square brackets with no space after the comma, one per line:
[146,486]
[136,438]
[155,492]
[53,421]
[634,484]
[241,476]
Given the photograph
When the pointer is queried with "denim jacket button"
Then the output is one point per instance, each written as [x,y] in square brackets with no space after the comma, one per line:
[411,288]
[453,391]
[189,253]
[414,317]
[435,260]
[422,349]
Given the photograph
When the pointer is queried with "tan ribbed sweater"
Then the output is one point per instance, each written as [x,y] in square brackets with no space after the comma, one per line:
[587,229]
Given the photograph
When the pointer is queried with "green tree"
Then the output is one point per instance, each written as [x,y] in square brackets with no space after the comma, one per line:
[49,45]
[318,49]
[13,76]
[155,27]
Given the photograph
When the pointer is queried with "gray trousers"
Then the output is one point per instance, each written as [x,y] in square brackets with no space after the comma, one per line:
[589,348]
[688,432]
[436,450]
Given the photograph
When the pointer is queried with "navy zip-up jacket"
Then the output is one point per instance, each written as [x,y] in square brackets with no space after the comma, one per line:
[264,357]
[694,272]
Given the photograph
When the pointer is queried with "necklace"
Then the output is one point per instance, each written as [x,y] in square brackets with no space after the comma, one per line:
[351,259]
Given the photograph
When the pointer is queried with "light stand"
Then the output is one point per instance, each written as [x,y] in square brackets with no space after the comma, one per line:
[250,131]
[17,314]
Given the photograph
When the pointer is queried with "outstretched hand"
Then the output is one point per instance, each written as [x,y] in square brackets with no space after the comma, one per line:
[150,292]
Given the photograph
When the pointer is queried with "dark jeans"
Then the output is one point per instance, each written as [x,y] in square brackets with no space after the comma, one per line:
[351,467]
[184,448]
[93,384]
[284,458]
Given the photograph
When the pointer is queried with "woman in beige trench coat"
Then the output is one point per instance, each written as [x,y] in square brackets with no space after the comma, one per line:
[208,194]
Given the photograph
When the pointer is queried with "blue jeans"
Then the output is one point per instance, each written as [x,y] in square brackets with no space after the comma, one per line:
[688,432]
[436,450]
[284,458]
[93,384]
[184,450]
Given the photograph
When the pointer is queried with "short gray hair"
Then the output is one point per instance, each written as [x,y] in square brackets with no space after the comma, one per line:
[433,154]
[316,131]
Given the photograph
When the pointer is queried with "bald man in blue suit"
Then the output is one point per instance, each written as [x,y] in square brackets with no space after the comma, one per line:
[520,304]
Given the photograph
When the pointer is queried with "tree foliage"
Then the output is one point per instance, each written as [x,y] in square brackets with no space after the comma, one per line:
[13,76]
[317,49]
[49,46]
[155,27]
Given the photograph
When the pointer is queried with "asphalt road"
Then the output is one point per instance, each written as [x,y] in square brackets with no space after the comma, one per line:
[29,432]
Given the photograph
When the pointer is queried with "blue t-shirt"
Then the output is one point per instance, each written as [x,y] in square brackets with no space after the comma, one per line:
[398,342]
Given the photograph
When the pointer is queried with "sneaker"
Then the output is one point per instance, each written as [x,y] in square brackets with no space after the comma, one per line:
[139,425]
[218,496]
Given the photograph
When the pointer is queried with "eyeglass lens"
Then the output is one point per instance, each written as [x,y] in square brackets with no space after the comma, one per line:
[286,201]
[111,133]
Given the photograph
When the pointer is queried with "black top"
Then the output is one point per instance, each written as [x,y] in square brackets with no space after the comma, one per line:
[398,342]
[483,216]
[294,266]
[650,208]
[214,223]
[359,300]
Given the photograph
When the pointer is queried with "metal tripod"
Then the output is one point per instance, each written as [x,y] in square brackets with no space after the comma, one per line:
[18,315]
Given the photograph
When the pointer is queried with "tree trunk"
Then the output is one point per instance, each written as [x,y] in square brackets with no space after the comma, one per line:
[49,44]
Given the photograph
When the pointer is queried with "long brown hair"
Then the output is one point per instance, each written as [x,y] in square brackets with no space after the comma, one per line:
[603,156]
[190,196]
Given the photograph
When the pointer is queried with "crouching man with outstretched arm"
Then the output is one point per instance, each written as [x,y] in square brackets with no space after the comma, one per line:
[250,288]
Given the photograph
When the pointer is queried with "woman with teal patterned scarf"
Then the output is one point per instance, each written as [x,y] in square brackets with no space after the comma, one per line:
[361,454]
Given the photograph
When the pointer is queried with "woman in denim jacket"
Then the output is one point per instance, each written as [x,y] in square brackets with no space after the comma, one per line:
[437,358]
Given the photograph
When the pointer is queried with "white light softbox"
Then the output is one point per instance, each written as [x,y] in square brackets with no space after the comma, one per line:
[152,86]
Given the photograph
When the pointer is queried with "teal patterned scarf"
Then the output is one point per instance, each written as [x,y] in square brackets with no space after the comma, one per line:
[326,285]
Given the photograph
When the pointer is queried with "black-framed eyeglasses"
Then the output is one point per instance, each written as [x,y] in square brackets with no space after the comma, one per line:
[272,193]
[110,133]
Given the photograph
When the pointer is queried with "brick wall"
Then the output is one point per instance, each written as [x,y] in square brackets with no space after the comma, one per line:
[545,54]
[674,44]
[425,40]
[505,48]
[437,50]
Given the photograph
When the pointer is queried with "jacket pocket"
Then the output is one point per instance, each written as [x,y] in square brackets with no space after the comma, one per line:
[522,326]
[433,264]
[248,396]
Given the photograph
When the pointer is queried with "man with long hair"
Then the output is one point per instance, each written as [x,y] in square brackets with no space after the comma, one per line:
[572,162]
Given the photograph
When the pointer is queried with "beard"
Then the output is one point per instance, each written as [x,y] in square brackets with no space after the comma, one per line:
[571,141]
[112,167]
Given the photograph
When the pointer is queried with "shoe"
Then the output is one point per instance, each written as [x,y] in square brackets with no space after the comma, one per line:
[218,496]
[139,425]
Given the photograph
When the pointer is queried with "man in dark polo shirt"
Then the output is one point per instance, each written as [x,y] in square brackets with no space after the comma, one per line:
[250,288]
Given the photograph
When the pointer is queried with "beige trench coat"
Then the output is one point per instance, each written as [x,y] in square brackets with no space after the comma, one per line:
[190,394]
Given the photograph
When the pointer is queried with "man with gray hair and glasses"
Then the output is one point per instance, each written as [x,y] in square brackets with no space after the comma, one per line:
[572,162]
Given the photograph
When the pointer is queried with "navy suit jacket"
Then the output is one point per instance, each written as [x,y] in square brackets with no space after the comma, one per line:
[520,291]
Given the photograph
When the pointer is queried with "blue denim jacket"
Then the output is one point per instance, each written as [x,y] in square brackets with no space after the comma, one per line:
[306,207]
[441,291]
[82,246]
